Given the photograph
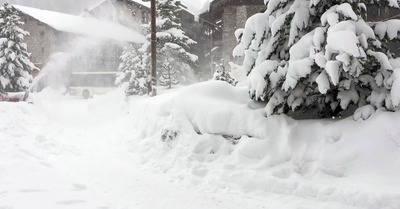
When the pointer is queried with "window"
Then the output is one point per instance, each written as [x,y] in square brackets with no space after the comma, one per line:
[42,33]
[92,79]
[145,18]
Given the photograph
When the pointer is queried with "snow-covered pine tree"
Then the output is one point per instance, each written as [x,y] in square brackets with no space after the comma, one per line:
[15,65]
[132,67]
[303,55]
[221,74]
[174,61]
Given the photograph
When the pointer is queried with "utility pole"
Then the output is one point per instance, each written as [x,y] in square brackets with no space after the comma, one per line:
[153,49]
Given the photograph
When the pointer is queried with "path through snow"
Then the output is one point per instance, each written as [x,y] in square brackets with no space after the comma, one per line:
[60,154]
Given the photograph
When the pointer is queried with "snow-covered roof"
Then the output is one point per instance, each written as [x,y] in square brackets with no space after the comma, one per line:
[82,25]
[97,5]
[146,4]
[206,7]
[185,9]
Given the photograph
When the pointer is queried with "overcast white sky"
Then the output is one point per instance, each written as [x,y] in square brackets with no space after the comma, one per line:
[76,6]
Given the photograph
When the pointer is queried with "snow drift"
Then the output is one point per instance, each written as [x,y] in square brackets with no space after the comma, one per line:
[353,162]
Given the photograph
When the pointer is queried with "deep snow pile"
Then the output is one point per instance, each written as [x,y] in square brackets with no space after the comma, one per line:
[107,152]
[354,163]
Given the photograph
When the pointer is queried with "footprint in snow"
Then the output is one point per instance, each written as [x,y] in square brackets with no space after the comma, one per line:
[71,202]
[31,190]
[79,187]
[29,154]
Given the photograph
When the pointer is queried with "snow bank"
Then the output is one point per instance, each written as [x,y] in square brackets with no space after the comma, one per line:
[88,151]
[224,139]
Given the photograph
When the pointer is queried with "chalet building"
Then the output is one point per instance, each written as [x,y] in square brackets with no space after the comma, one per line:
[53,32]
[221,21]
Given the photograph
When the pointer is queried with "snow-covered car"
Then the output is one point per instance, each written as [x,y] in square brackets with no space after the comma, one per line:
[14,96]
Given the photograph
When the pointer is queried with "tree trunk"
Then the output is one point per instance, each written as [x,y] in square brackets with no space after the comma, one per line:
[153,49]
[169,77]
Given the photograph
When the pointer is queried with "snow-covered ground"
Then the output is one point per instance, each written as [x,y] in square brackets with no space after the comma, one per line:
[106,152]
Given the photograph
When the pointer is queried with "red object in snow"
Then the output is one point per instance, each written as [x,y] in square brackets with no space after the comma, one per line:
[14,97]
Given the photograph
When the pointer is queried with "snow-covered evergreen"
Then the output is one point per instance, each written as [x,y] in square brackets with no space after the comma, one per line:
[320,54]
[221,74]
[132,67]
[15,65]
[174,61]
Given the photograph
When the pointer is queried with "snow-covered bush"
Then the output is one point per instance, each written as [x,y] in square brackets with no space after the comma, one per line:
[173,57]
[221,74]
[132,67]
[15,65]
[168,135]
[304,55]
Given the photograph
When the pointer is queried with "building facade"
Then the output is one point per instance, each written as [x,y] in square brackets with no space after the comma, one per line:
[130,13]
[85,44]
[41,41]
[382,14]
[375,14]
[221,21]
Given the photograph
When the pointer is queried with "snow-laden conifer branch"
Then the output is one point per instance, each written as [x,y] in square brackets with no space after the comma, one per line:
[320,55]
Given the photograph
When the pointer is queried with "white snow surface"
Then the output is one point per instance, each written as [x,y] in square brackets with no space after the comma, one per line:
[83,25]
[342,37]
[106,152]
[390,28]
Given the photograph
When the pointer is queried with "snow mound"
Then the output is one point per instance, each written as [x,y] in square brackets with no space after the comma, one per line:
[224,139]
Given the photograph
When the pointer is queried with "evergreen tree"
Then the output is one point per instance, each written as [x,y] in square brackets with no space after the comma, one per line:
[221,74]
[319,54]
[132,67]
[174,61]
[15,66]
